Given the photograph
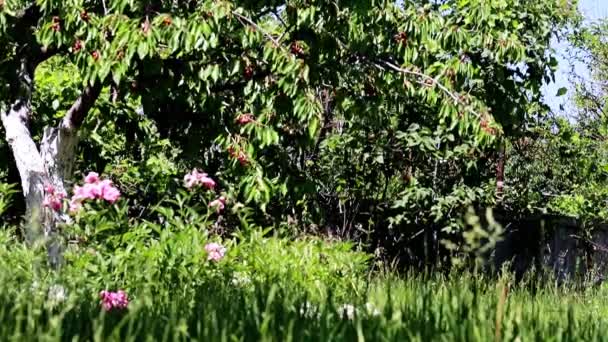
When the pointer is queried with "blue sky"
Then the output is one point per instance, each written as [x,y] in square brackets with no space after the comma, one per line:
[592,10]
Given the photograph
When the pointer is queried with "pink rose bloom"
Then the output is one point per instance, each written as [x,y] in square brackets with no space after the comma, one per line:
[219,204]
[91,178]
[94,190]
[114,300]
[215,251]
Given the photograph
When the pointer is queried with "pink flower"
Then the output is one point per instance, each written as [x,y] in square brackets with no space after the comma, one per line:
[196,178]
[88,191]
[94,188]
[52,199]
[190,180]
[215,251]
[219,204]
[108,192]
[49,188]
[75,206]
[207,182]
[114,300]
[91,178]
[52,202]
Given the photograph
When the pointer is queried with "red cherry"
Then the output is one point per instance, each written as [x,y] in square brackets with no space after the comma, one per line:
[95,55]
[400,37]
[248,72]
[296,49]
[84,16]
[244,119]
[77,46]
[167,21]
[56,26]
[231,151]
[242,158]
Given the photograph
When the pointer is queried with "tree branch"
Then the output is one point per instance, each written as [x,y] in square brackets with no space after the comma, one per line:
[257,27]
[429,79]
[79,110]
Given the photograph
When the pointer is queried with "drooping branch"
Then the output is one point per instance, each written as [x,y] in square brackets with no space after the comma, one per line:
[427,80]
[422,78]
[79,110]
[242,18]
[58,144]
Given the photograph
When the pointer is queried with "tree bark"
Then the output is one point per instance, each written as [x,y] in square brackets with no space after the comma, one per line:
[500,170]
[29,164]
[51,165]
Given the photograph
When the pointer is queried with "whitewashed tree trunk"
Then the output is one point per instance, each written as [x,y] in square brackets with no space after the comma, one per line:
[29,163]
[52,164]
[57,150]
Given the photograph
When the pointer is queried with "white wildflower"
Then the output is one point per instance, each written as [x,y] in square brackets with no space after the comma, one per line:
[372,310]
[309,310]
[57,294]
[348,311]
[240,279]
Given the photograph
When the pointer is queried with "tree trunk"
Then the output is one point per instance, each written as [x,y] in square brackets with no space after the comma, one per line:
[57,150]
[500,170]
[29,164]
[52,165]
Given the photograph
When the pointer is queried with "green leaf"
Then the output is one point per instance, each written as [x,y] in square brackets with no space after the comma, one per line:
[313,127]
[142,49]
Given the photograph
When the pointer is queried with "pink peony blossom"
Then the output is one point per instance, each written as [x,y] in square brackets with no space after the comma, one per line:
[207,182]
[52,199]
[75,206]
[91,178]
[52,202]
[196,178]
[94,188]
[114,300]
[49,188]
[88,191]
[215,251]
[108,192]
[219,204]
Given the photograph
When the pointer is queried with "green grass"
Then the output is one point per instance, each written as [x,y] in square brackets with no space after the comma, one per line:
[274,289]
[458,308]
